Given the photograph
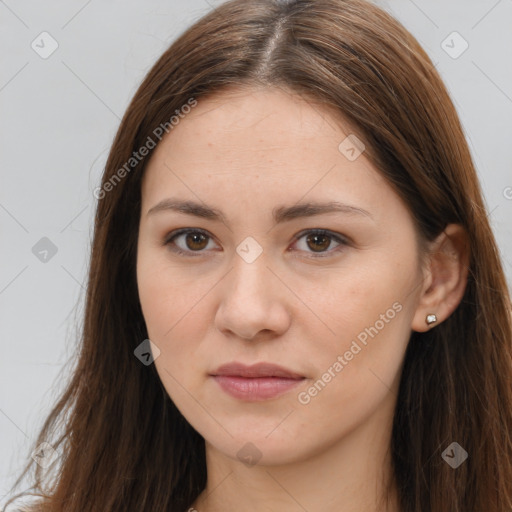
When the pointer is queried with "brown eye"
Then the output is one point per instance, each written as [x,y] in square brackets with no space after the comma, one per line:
[318,243]
[196,241]
[190,242]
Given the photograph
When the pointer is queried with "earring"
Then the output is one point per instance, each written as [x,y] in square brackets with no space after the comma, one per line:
[431,319]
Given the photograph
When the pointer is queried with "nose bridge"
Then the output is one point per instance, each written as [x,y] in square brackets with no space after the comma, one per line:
[251,300]
[250,275]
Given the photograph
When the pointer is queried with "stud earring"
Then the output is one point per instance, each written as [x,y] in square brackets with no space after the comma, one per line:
[431,319]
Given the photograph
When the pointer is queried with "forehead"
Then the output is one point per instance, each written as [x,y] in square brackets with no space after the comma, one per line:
[264,129]
[261,119]
[254,147]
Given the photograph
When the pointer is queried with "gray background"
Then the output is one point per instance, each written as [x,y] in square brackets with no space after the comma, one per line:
[59,117]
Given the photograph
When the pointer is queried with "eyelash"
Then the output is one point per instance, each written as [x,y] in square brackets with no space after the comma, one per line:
[322,232]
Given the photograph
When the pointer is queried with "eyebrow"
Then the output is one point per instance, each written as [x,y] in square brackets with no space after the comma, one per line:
[280,214]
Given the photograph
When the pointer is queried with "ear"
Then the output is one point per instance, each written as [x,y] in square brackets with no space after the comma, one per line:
[445,278]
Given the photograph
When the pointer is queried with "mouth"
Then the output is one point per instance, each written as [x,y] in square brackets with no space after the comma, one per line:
[261,381]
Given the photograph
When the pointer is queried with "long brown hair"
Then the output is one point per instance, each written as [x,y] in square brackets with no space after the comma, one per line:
[124,444]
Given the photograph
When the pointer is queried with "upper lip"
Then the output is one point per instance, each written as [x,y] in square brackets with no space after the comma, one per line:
[256,370]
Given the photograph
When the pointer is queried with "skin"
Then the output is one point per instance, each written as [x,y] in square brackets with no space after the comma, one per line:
[246,152]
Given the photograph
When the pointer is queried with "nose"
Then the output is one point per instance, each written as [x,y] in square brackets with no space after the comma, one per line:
[254,302]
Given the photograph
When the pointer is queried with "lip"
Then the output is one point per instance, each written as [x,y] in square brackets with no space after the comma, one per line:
[255,370]
[257,382]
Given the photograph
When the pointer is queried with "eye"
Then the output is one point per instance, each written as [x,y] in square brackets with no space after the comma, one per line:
[188,241]
[192,241]
[319,240]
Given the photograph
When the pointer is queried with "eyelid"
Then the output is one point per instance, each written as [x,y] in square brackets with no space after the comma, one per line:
[342,240]
[174,234]
[322,231]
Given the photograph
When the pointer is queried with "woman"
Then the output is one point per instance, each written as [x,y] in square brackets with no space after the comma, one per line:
[295,298]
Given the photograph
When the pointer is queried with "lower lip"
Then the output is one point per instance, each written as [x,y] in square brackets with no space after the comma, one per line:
[260,388]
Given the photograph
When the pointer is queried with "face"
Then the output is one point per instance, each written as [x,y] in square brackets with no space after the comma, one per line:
[245,273]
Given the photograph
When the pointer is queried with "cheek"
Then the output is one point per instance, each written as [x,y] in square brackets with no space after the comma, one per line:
[358,370]
[169,297]
[173,305]
[355,299]
[367,315]
[171,322]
